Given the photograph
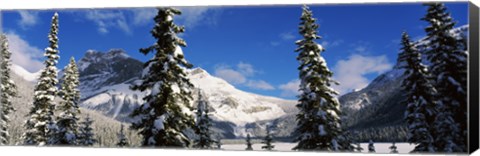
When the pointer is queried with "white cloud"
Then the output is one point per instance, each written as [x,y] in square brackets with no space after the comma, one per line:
[328,44]
[24,54]
[241,75]
[259,84]
[142,16]
[27,18]
[287,36]
[351,73]
[230,75]
[290,88]
[246,69]
[190,17]
[105,19]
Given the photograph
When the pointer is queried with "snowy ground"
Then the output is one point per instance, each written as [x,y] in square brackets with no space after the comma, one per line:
[282,146]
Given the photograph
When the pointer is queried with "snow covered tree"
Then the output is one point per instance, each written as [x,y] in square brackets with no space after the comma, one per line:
[86,136]
[371,147]
[318,121]
[420,97]
[358,148]
[40,125]
[393,148]
[122,140]
[249,143]
[268,140]
[345,142]
[218,142]
[67,120]
[8,90]
[203,125]
[448,57]
[166,113]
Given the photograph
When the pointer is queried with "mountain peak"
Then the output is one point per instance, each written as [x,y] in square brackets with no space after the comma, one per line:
[112,53]
[94,56]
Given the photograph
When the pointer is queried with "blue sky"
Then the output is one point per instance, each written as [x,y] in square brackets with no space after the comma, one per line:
[252,47]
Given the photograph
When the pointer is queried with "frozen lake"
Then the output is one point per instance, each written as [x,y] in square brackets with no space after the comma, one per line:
[283,146]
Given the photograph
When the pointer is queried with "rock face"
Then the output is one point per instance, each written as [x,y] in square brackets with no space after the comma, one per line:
[380,103]
[105,79]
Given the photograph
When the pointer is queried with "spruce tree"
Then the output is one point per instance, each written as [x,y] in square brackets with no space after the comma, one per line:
[358,148]
[67,120]
[165,115]
[249,143]
[268,140]
[371,147]
[8,90]
[203,125]
[218,142]
[345,142]
[448,58]
[122,140]
[420,97]
[318,121]
[40,125]
[86,136]
[393,148]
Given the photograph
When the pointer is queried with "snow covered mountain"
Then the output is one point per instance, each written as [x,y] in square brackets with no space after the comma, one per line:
[105,79]
[379,104]
[106,76]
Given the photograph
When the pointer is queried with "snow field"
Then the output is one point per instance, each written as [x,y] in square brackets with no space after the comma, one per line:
[285,146]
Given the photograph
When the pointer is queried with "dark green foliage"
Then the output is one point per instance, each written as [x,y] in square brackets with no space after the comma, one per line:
[358,148]
[393,148]
[218,142]
[203,125]
[161,120]
[40,125]
[249,143]
[122,140]
[86,136]
[68,118]
[268,140]
[371,147]
[448,57]
[420,93]
[318,122]
[381,134]
[8,90]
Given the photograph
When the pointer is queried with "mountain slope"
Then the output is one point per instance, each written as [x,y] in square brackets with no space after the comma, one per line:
[105,128]
[106,77]
[379,105]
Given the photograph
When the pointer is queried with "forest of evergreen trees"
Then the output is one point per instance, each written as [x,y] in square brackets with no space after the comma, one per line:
[435,119]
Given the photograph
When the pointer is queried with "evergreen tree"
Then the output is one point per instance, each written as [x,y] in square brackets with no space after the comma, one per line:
[393,148]
[67,120]
[345,143]
[420,113]
[40,125]
[166,113]
[318,121]
[249,143]
[358,147]
[8,90]
[86,136]
[371,147]
[448,58]
[268,140]
[218,142]
[122,140]
[203,125]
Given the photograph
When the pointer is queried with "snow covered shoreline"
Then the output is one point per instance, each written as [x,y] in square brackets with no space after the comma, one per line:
[284,146]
